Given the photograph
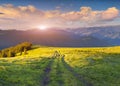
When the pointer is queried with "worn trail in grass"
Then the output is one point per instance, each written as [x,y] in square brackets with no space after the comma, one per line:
[76,75]
[73,67]
[47,69]
[63,75]
[28,73]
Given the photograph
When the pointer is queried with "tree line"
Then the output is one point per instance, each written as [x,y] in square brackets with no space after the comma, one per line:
[12,51]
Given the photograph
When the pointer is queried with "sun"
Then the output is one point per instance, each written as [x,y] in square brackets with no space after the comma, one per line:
[42,27]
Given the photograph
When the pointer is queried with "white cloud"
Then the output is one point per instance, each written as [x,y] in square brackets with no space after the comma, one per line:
[110,14]
[12,17]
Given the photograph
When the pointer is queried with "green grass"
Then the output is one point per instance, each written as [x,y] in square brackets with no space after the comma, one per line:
[79,67]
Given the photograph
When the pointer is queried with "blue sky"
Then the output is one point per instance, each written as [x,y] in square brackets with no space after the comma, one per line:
[65,4]
[21,14]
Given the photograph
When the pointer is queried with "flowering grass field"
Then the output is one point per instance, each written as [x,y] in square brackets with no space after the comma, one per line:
[58,66]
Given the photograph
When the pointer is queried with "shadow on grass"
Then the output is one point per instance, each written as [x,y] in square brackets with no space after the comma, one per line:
[47,70]
[29,74]
[78,76]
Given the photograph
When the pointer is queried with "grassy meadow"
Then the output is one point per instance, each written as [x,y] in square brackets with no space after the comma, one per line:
[58,66]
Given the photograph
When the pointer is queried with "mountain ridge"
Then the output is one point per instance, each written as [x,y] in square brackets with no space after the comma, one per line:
[80,37]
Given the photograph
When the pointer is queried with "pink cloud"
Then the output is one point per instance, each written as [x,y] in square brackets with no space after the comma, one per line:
[88,15]
[110,14]
[30,16]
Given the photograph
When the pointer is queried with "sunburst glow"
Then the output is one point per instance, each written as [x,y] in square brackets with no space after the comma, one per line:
[42,27]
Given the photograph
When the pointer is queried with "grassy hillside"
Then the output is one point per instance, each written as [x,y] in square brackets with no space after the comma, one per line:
[56,66]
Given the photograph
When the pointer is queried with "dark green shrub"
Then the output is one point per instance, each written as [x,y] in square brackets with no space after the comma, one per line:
[11,52]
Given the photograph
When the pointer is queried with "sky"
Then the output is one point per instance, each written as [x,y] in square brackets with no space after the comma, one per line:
[28,14]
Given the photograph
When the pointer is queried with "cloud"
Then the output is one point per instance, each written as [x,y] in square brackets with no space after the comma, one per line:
[88,15]
[17,12]
[20,16]
[58,7]
[29,17]
[110,14]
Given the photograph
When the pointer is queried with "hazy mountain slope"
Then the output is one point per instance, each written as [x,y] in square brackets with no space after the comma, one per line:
[49,37]
[109,33]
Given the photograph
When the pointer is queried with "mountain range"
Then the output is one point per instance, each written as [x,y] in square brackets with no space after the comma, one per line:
[77,37]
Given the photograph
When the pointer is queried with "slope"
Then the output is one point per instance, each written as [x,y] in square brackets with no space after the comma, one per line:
[48,66]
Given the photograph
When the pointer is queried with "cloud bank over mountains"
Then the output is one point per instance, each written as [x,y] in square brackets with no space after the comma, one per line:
[25,17]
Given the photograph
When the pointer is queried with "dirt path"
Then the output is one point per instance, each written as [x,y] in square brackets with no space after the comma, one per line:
[78,76]
[47,70]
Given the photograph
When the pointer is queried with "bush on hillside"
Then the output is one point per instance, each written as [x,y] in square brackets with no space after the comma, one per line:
[12,51]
